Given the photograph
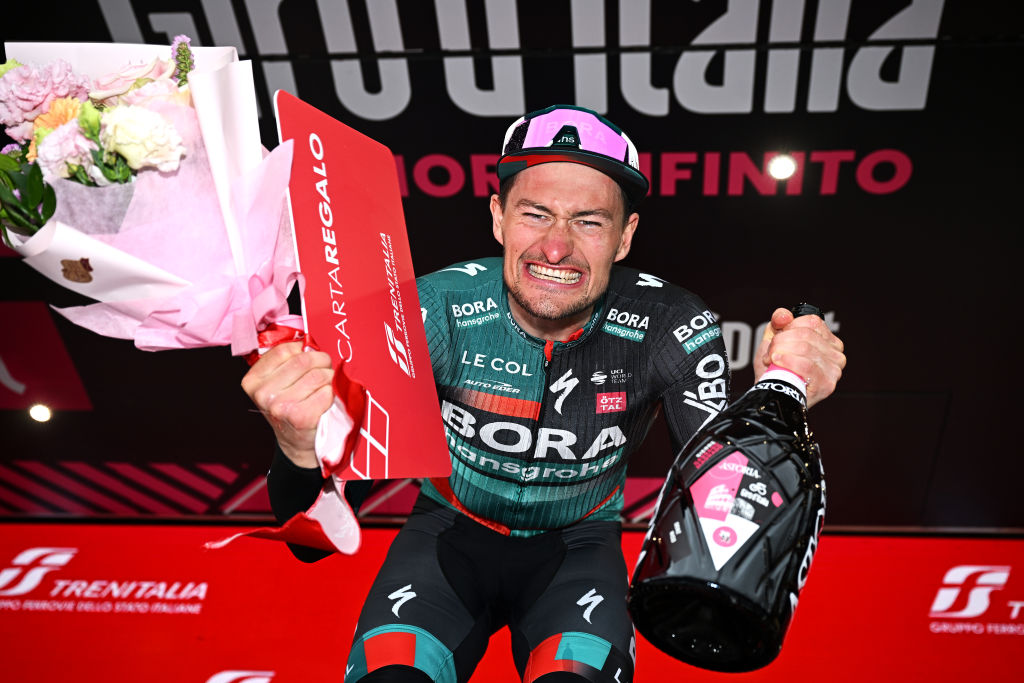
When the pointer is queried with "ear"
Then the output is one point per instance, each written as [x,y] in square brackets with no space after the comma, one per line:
[496,217]
[626,240]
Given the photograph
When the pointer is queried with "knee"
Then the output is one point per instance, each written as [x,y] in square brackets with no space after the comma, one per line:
[396,673]
[562,677]
[575,657]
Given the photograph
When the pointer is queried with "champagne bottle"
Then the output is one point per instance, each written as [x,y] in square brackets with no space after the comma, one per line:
[737,523]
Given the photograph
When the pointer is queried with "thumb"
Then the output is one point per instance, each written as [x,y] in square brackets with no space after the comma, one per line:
[781,317]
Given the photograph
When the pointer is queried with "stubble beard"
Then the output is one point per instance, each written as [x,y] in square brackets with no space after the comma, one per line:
[548,307]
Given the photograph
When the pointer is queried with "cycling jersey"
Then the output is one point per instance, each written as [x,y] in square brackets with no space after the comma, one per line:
[540,432]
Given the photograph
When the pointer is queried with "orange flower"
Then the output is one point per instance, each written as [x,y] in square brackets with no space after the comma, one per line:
[62,110]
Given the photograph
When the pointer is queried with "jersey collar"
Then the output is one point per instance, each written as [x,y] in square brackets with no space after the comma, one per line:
[549,345]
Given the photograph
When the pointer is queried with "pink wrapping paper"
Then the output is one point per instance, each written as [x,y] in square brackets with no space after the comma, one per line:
[202,256]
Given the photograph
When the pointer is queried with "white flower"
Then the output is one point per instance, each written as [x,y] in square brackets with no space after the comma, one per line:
[142,137]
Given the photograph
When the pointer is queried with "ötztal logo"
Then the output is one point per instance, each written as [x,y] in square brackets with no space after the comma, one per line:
[29,568]
[967,589]
[611,402]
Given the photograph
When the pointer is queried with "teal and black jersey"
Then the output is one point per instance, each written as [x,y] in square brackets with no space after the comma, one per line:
[539,431]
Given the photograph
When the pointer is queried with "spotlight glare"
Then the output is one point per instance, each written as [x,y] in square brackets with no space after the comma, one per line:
[781,167]
[40,413]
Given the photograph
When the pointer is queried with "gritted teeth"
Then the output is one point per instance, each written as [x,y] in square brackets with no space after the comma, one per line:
[566,277]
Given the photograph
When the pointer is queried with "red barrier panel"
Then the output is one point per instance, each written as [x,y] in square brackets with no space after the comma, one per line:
[91,602]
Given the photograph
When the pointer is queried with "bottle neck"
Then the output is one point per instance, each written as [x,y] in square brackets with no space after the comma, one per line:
[775,373]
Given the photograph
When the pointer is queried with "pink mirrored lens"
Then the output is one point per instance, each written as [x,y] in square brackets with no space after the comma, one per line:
[594,135]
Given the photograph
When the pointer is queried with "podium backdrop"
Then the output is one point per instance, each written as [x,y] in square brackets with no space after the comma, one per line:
[904,119]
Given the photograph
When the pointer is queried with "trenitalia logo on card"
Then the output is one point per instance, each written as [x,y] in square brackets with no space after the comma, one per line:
[37,580]
[973,600]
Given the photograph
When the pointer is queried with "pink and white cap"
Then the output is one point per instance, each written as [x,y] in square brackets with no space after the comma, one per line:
[577,135]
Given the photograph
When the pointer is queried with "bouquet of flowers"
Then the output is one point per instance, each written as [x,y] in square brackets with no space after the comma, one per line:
[137,178]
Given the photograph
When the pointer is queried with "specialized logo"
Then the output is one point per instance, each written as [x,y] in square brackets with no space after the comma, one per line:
[401,596]
[611,402]
[649,281]
[975,583]
[397,349]
[29,568]
[241,676]
[590,601]
[563,386]
[470,269]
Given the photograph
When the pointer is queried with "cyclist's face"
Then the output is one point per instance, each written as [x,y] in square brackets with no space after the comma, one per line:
[562,228]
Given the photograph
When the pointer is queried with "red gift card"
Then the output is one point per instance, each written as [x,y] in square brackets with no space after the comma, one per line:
[360,303]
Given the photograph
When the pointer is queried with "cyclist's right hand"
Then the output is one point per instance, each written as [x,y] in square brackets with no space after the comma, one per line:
[292,388]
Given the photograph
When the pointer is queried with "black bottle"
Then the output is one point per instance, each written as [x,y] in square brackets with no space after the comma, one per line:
[732,538]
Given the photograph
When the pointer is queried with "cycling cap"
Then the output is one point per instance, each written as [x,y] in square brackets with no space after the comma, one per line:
[566,133]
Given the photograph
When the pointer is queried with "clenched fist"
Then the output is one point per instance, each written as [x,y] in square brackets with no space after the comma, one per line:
[292,388]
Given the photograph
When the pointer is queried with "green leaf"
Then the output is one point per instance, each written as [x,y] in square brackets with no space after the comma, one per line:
[81,176]
[20,179]
[108,173]
[49,204]
[20,224]
[33,187]
[7,197]
[8,164]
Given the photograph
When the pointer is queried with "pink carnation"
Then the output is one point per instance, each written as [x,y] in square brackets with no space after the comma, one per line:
[26,92]
[110,88]
[66,146]
[163,90]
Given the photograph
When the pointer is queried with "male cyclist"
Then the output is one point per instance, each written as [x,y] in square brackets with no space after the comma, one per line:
[545,390]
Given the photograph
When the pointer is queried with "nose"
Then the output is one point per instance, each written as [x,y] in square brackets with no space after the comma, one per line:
[557,242]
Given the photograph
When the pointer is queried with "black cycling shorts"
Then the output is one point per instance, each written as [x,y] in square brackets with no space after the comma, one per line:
[448,583]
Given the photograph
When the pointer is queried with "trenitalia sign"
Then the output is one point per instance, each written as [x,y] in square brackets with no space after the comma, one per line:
[148,602]
[715,66]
